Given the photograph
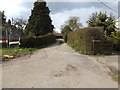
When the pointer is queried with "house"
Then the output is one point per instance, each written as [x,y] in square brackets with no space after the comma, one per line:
[9,34]
[10,31]
[118,24]
[58,35]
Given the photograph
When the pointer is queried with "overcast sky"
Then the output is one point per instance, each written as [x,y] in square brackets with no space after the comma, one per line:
[60,11]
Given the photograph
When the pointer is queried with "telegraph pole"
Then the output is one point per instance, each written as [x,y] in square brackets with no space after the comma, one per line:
[8,39]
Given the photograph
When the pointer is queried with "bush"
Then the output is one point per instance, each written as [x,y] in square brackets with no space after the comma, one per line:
[115,38]
[65,37]
[37,41]
[65,31]
[82,40]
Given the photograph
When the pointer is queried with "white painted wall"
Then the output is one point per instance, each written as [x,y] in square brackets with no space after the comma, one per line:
[118,23]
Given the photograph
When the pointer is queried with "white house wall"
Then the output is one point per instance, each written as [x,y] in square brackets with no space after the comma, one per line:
[118,24]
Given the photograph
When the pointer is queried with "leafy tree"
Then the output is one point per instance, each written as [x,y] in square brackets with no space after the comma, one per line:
[73,23]
[20,23]
[39,22]
[64,31]
[102,20]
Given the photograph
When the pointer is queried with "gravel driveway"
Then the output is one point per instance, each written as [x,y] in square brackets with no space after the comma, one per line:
[57,66]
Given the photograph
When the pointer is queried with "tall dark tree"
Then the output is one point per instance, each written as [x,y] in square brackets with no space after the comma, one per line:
[9,22]
[39,22]
[2,17]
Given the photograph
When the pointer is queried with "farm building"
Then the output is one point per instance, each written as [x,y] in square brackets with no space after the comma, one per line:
[58,35]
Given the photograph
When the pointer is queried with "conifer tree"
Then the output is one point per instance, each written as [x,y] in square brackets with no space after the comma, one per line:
[103,20]
[39,22]
[2,17]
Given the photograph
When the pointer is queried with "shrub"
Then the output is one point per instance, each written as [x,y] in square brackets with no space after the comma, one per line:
[27,41]
[65,37]
[37,41]
[82,40]
[115,38]
[65,31]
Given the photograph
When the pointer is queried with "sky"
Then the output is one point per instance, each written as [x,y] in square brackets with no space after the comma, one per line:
[60,10]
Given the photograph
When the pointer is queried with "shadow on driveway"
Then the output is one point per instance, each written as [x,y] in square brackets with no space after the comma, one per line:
[58,42]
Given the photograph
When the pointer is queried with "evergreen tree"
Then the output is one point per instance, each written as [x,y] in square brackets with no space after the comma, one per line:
[102,20]
[39,22]
[2,18]
[9,22]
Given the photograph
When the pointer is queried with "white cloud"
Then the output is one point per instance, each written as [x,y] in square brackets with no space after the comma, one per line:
[80,0]
[83,13]
[11,7]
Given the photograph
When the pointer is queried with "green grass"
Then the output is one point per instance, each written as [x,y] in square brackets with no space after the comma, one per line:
[20,51]
[15,51]
[116,77]
[78,49]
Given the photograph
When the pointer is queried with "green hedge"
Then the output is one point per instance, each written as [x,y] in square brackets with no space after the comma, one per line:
[33,41]
[82,41]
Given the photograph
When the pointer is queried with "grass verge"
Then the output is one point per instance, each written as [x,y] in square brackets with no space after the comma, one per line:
[18,52]
[116,77]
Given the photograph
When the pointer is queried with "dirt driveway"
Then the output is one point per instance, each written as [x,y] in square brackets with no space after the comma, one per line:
[57,66]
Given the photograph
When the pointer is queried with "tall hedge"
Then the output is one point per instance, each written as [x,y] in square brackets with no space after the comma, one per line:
[37,41]
[82,40]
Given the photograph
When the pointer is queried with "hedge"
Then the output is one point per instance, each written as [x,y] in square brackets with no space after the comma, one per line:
[37,41]
[82,41]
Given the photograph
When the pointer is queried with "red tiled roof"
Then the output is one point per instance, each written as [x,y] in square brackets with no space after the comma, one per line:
[58,34]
